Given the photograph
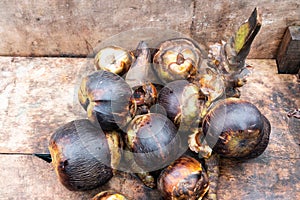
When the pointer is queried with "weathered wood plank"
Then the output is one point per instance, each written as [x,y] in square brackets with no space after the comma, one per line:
[38,95]
[56,28]
[274,174]
[28,177]
[288,57]
[75,27]
[216,20]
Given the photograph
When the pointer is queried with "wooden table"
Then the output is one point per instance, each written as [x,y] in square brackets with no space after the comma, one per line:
[39,94]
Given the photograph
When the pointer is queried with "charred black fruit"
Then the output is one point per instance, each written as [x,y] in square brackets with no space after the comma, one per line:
[109,195]
[144,96]
[153,140]
[234,128]
[182,103]
[84,157]
[261,147]
[185,178]
[106,98]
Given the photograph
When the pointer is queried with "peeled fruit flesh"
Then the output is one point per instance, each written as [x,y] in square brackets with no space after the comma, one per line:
[114,59]
[109,195]
[177,59]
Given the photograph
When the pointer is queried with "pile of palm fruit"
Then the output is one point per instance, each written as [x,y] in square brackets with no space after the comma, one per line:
[166,114]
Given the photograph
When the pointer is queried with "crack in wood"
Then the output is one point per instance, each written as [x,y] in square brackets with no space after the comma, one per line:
[193,26]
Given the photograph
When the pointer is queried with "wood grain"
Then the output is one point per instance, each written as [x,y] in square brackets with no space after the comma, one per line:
[39,94]
[274,174]
[28,177]
[74,28]
[217,20]
[288,57]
